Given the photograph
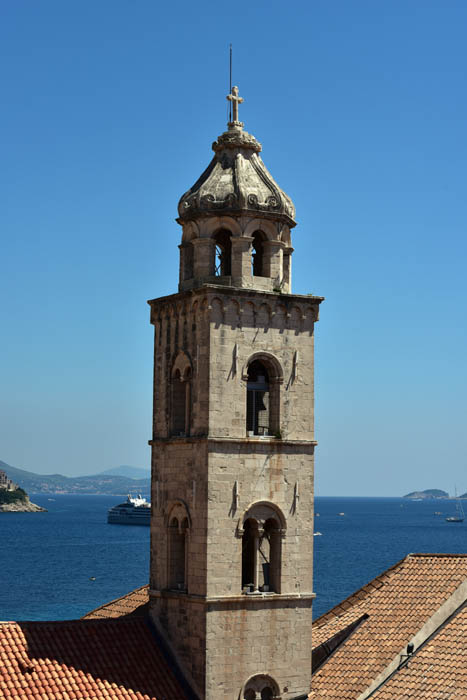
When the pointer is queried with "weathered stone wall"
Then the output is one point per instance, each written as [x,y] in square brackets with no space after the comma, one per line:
[265,637]
[264,470]
[182,620]
[277,325]
[221,636]
[179,474]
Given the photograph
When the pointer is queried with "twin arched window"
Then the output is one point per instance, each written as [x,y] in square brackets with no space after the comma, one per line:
[223,256]
[261,687]
[223,261]
[178,531]
[261,550]
[180,397]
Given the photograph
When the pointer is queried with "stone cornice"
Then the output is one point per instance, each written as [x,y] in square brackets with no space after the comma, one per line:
[251,441]
[244,598]
[236,291]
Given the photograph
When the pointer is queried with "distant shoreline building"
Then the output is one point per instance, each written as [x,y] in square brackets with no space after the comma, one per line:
[6,484]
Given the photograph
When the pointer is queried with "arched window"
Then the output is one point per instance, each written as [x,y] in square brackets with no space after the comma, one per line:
[261,550]
[263,376]
[257,401]
[178,530]
[181,402]
[223,253]
[258,257]
[261,687]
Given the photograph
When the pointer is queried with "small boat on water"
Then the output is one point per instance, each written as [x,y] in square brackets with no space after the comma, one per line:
[135,511]
[460,515]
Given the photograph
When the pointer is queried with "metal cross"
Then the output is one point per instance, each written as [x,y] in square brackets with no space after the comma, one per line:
[235,99]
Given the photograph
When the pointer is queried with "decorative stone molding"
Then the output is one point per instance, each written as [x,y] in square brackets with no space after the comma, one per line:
[236,138]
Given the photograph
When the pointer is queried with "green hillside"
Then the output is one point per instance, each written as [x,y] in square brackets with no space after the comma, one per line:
[12,496]
[57,483]
[428,493]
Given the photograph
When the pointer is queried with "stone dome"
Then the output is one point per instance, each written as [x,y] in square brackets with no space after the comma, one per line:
[236,182]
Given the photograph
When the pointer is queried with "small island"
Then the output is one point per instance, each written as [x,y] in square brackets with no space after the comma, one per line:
[427,494]
[13,499]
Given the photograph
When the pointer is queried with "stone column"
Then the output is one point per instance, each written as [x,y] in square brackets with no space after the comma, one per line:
[186,262]
[204,258]
[256,537]
[273,260]
[241,261]
[287,270]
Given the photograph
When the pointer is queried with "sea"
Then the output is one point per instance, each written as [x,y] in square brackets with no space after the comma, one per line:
[62,564]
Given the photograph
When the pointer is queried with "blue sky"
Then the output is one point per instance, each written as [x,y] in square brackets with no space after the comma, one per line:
[109,112]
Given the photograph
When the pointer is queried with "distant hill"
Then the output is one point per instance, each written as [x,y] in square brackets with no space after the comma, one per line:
[57,483]
[129,472]
[428,493]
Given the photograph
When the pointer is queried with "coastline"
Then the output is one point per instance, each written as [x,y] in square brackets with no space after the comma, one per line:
[22,507]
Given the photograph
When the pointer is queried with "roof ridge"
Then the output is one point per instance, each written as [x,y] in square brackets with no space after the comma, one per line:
[78,621]
[115,600]
[441,555]
[447,611]
[361,593]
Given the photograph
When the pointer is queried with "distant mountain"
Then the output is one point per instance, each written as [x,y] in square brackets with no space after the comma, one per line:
[57,483]
[129,472]
[428,493]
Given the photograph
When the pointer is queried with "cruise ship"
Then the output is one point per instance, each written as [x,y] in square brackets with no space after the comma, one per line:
[135,511]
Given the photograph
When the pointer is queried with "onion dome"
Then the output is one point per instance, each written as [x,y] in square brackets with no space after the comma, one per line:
[236,181]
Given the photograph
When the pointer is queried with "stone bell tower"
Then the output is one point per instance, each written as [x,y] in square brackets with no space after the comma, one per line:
[233,439]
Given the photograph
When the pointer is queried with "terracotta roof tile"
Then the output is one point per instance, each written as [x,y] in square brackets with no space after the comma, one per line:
[398,603]
[117,659]
[133,603]
[437,670]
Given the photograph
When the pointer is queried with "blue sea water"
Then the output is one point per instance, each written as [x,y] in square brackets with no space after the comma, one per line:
[48,560]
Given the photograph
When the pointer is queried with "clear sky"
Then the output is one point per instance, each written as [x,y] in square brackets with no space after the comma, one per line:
[109,111]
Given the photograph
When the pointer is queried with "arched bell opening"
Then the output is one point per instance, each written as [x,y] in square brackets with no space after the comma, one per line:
[263,377]
[223,253]
[261,687]
[258,257]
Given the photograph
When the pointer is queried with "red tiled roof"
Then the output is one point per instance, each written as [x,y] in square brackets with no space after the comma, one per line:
[398,603]
[438,670]
[134,603]
[74,660]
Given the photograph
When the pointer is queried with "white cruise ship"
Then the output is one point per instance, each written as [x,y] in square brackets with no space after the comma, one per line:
[135,511]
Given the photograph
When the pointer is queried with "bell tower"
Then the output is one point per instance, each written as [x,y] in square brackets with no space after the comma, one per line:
[233,438]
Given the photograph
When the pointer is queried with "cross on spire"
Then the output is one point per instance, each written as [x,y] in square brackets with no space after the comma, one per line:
[235,100]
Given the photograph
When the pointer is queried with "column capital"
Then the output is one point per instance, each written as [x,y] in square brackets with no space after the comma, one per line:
[274,244]
[239,240]
[203,241]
